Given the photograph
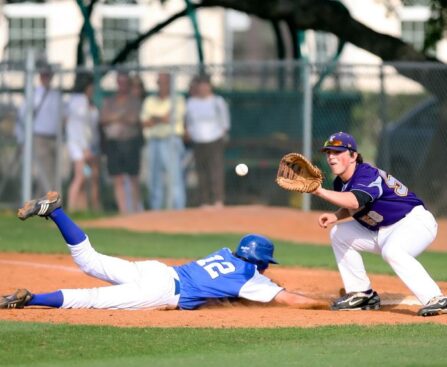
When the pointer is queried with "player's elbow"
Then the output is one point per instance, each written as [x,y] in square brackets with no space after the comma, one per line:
[353,206]
[352,203]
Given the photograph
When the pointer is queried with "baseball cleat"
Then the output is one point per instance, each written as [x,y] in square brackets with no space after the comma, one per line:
[17,300]
[42,207]
[357,301]
[436,306]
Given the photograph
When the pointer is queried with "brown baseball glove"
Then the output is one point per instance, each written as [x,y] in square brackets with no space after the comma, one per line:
[297,173]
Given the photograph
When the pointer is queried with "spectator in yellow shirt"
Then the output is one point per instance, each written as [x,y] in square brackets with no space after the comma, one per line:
[162,116]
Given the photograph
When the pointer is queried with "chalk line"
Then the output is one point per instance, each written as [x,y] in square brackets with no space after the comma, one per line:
[40,265]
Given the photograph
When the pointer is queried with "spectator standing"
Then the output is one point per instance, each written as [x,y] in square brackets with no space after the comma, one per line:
[188,163]
[119,119]
[47,106]
[207,124]
[137,88]
[138,91]
[163,123]
[83,144]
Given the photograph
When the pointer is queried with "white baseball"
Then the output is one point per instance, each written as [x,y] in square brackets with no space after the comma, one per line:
[241,169]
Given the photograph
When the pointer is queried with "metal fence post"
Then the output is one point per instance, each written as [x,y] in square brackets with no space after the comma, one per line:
[59,135]
[173,148]
[28,128]
[384,117]
[307,122]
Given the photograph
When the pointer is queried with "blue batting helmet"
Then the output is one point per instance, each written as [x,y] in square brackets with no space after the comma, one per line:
[256,249]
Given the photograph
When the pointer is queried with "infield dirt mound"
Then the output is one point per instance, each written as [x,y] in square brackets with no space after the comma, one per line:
[280,223]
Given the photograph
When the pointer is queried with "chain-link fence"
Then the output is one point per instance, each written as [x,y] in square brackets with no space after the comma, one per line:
[394,111]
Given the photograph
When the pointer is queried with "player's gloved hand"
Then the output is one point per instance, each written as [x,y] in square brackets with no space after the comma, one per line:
[297,173]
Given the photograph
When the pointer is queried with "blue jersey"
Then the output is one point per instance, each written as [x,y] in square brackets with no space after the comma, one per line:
[390,199]
[220,275]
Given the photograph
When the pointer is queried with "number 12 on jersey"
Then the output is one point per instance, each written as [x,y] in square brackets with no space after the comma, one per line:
[215,266]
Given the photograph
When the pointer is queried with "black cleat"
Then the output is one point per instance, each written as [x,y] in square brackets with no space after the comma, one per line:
[357,301]
[17,300]
[42,207]
[436,306]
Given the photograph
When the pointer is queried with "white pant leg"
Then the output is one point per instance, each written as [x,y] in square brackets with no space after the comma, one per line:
[348,239]
[155,288]
[402,242]
[110,269]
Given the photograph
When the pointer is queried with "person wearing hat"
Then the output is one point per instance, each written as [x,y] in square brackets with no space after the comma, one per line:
[389,220]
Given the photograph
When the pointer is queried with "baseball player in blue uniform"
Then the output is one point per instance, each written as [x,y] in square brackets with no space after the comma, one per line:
[152,284]
[388,220]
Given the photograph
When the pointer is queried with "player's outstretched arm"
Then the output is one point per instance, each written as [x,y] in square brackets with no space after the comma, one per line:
[300,301]
[341,199]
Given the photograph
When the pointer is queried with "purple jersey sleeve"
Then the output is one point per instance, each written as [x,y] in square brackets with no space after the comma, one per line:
[390,199]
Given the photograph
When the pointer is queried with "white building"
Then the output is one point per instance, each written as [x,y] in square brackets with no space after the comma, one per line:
[53,27]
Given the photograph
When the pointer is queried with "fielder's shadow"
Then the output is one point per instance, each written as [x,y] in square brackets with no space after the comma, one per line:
[395,309]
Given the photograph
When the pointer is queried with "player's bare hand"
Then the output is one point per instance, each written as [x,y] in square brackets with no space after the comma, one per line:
[317,191]
[326,219]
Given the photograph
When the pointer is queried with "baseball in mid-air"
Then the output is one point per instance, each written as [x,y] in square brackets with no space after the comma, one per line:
[241,169]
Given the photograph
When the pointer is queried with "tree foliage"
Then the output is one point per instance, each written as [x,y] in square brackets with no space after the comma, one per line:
[322,15]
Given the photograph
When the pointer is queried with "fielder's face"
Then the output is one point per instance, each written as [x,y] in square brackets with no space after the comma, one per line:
[341,163]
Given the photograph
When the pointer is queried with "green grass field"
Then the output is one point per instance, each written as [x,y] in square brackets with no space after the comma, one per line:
[25,344]
[94,346]
[40,236]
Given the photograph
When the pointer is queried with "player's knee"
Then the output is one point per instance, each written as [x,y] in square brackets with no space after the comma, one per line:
[87,268]
[88,265]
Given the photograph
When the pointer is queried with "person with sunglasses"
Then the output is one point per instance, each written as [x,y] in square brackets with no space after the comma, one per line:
[389,220]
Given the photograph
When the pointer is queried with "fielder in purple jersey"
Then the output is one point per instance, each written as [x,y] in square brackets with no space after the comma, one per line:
[152,284]
[388,219]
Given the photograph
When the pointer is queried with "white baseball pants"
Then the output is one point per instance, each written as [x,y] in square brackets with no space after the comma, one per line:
[136,285]
[398,244]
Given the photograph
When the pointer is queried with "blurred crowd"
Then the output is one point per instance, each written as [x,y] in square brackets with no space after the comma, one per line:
[172,132]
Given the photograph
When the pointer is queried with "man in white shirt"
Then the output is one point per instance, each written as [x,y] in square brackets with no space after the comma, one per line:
[46,123]
[207,124]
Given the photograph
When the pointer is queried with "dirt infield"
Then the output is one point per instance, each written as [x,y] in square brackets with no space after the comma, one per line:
[280,223]
[41,273]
